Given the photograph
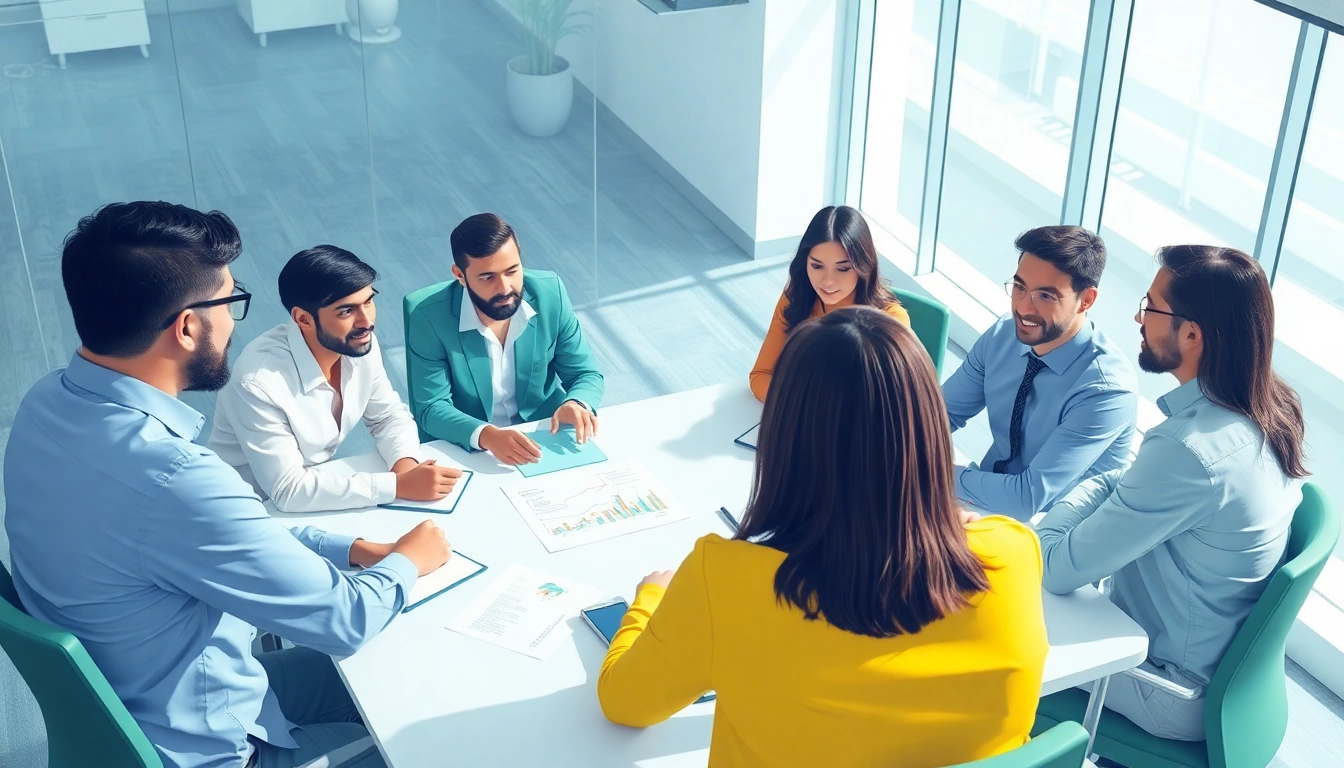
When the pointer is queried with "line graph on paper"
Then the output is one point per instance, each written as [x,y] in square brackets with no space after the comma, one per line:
[593,503]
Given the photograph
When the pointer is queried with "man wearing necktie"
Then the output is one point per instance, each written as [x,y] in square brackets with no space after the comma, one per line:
[1060,395]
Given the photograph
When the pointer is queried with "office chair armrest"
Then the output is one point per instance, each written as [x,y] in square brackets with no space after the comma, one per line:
[342,756]
[1165,685]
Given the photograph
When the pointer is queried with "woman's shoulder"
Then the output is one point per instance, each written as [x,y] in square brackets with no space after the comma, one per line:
[717,553]
[1004,541]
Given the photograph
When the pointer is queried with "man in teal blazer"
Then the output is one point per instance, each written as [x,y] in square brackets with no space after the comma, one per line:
[495,347]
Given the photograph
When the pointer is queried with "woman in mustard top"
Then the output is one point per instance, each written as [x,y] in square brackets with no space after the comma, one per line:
[858,618]
[835,266]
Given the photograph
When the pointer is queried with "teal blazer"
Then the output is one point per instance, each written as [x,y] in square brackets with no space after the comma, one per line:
[448,371]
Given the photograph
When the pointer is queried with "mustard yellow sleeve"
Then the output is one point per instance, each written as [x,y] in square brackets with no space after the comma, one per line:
[775,337]
[659,661]
[899,313]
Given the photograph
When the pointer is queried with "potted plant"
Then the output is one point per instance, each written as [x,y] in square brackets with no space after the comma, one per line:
[540,83]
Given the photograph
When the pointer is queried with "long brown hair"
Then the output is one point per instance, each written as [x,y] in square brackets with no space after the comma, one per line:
[843,225]
[854,480]
[1228,295]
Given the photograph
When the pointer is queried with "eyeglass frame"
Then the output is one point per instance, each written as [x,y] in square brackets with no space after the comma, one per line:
[1144,309]
[1010,287]
[241,295]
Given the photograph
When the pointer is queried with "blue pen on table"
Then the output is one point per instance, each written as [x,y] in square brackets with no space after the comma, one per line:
[729,520]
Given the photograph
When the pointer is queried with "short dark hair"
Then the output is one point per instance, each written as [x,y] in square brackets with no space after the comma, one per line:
[321,276]
[1075,251]
[129,267]
[867,518]
[1227,293]
[479,236]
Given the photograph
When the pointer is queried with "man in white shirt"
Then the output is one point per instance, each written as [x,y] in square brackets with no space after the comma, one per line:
[300,388]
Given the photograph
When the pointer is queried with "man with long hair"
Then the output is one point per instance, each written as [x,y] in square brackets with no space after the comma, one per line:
[1195,528]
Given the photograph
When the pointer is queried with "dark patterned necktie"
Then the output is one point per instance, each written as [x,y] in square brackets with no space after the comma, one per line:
[1034,366]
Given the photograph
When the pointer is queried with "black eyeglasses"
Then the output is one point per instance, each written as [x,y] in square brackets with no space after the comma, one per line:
[238,303]
[1145,309]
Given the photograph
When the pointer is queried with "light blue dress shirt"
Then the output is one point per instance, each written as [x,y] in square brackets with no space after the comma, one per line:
[1192,532]
[1078,422]
[161,560]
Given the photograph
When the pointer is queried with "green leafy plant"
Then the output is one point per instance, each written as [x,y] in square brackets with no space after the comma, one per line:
[545,24]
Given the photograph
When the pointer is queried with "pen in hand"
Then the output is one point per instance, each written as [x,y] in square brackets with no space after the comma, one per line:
[729,520]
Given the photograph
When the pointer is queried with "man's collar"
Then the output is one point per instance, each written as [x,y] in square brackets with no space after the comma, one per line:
[1060,358]
[310,373]
[181,419]
[1180,398]
[470,321]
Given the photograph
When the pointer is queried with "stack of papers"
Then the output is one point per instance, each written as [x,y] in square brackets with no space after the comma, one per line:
[458,569]
[525,611]
[448,503]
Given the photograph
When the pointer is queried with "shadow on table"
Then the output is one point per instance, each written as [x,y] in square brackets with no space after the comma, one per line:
[564,728]
[734,413]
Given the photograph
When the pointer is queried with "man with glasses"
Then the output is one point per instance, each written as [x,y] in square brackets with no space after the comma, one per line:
[1060,395]
[304,385]
[154,552]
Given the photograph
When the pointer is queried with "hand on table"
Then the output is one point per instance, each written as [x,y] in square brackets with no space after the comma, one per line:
[425,481]
[426,546]
[658,578]
[583,420]
[510,446]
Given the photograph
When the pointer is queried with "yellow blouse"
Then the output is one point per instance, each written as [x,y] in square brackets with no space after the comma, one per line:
[764,370]
[798,692]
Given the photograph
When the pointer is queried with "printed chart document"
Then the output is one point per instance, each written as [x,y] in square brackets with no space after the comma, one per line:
[524,611]
[458,569]
[448,503]
[560,451]
[593,503]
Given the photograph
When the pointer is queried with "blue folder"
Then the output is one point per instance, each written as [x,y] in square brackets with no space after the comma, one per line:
[560,451]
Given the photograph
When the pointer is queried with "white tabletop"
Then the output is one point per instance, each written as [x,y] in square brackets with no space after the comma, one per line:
[435,698]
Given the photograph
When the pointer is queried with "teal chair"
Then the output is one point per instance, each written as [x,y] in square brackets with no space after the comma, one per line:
[86,723]
[1064,746]
[409,305]
[1246,704]
[930,322]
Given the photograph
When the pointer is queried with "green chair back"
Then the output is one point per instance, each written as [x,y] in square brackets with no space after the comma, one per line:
[1246,703]
[930,322]
[408,305]
[86,723]
[1064,746]
[1249,718]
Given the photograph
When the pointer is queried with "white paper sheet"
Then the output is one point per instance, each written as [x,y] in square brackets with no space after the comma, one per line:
[524,611]
[459,568]
[593,503]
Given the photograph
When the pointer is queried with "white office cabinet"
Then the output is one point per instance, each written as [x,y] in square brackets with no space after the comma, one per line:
[264,16]
[75,26]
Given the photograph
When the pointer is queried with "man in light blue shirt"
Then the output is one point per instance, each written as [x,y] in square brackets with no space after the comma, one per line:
[1061,396]
[154,552]
[1195,528]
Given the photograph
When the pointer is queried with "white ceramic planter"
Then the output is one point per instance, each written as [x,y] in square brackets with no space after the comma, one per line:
[540,104]
[373,21]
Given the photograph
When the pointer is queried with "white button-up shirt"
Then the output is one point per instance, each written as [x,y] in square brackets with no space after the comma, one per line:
[503,365]
[275,422]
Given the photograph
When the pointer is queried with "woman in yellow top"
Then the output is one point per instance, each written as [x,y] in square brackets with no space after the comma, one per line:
[835,266]
[858,618]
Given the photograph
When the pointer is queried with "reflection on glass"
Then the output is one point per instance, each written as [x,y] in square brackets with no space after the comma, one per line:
[1309,285]
[905,34]
[1194,142]
[1013,99]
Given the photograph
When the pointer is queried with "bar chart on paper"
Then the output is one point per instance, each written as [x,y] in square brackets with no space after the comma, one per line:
[593,503]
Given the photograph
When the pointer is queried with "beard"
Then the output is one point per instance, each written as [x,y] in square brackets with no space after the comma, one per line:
[500,307]
[358,343]
[208,370]
[1045,331]
[1154,360]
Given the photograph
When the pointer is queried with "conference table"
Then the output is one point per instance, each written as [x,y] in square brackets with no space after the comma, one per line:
[433,697]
